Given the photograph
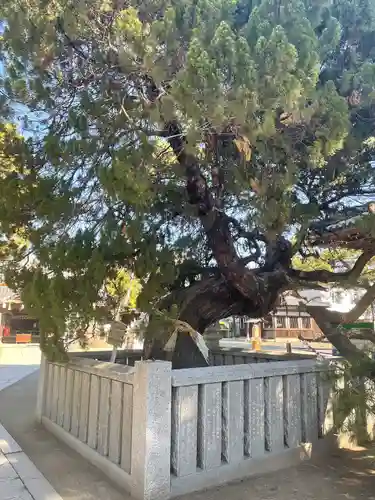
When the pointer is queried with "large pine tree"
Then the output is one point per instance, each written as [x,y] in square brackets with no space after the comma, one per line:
[189,141]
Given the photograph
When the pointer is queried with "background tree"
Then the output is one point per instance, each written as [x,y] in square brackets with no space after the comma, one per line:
[188,142]
[121,294]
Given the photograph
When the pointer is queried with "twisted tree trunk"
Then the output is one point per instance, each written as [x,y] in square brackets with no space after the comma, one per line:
[207,302]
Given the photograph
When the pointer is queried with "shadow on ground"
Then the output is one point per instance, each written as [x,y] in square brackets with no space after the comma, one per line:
[338,476]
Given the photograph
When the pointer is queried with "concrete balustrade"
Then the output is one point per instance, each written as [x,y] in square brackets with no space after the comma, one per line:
[159,433]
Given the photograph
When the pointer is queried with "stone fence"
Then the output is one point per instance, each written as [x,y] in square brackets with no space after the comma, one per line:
[218,357]
[234,421]
[159,433]
[233,356]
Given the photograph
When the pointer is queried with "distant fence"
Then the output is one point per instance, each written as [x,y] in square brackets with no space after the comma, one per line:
[233,356]
[218,357]
[160,433]
[126,357]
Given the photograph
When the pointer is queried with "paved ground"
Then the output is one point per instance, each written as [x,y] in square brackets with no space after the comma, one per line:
[279,345]
[19,478]
[21,355]
[71,476]
[9,375]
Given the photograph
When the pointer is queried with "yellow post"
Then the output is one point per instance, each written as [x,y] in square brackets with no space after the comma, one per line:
[256,344]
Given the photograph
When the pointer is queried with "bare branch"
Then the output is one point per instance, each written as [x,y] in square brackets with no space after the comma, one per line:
[363,336]
[321,338]
[300,239]
[361,307]
[327,276]
[336,334]
[307,343]
[250,258]
[337,318]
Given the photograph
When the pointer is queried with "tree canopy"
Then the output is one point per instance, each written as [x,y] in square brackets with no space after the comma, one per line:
[199,143]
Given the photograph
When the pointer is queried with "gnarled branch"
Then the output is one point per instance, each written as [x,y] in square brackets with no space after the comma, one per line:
[335,334]
[331,277]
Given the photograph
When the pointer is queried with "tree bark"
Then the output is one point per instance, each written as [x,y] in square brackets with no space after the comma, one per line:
[186,354]
[207,302]
[330,323]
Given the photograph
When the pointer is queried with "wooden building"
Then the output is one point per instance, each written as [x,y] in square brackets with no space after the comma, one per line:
[288,321]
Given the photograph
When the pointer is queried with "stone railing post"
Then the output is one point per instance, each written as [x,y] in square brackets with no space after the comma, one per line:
[151,431]
[41,394]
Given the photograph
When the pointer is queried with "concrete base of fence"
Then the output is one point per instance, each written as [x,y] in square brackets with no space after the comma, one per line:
[115,474]
[216,477]
[236,472]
